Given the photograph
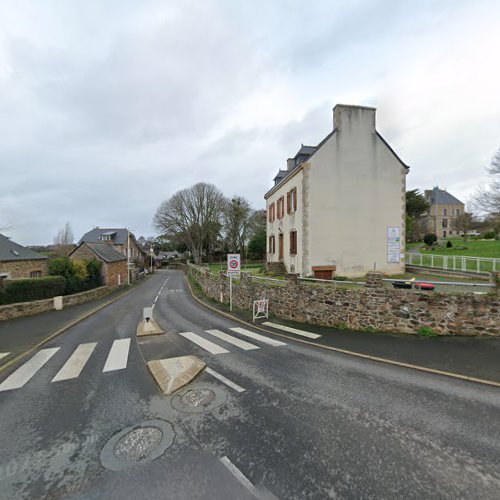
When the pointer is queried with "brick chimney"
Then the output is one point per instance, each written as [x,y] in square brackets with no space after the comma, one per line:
[350,118]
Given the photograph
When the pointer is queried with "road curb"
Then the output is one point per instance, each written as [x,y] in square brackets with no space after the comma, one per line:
[401,364]
[64,328]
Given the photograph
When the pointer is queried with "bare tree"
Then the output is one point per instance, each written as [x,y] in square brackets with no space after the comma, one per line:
[63,241]
[237,223]
[192,215]
[64,235]
[462,223]
[487,200]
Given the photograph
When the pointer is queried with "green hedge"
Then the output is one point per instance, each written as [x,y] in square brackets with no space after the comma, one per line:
[25,290]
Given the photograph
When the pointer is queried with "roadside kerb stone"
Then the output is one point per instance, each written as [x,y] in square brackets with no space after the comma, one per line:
[173,373]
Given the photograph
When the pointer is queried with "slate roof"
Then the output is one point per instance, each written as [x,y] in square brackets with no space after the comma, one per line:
[118,236]
[442,197]
[281,175]
[13,251]
[105,252]
[306,150]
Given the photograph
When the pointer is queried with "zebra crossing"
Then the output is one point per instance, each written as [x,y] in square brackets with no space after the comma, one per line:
[117,359]
[215,348]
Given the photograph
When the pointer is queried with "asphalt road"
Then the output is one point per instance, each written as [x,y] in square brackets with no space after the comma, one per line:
[287,420]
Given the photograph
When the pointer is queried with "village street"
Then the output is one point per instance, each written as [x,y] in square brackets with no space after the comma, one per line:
[270,418]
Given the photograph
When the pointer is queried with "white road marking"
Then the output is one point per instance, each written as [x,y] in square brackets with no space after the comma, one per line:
[73,367]
[158,294]
[292,330]
[225,380]
[240,476]
[26,371]
[3,354]
[232,340]
[203,343]
[118,355]
[256,336]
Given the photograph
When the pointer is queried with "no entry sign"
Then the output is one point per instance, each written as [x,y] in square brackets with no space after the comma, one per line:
[233,264]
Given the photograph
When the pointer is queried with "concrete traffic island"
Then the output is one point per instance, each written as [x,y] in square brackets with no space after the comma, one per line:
[148,327]
[173,373]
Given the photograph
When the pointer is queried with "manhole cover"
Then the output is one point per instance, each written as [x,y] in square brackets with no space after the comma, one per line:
[137,444]
[198,398]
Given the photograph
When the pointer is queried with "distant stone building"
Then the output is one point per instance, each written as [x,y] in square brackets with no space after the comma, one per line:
[443,212]
[17,261]
[120,239]
[339,207]
[114,264]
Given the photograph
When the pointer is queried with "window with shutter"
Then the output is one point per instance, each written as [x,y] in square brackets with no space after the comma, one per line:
[289,202]
[271,212]
[271,244]
[293,242]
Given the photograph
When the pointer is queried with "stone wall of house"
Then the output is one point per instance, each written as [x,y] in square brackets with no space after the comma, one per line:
[18,269]
[112,273]
[11,311]
[115,273]
[83,252]
[374,307]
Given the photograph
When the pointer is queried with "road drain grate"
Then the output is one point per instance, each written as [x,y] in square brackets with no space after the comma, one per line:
[138,444]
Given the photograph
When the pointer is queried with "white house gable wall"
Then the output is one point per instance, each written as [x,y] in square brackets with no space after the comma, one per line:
[356,192]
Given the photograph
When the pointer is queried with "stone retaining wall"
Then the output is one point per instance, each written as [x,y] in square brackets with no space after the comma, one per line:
[373,307]
[19,309]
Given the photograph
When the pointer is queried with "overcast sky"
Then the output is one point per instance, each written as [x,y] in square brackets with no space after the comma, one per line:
[109,107]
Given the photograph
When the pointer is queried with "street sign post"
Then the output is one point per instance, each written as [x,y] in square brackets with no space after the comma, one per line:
[233,264]
[233,269]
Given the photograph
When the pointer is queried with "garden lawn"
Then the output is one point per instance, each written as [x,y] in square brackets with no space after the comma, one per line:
[472,248]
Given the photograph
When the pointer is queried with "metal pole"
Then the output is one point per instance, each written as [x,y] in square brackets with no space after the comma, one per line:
[128,257]
[230,292]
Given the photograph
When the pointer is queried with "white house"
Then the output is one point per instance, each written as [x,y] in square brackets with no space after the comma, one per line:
[339,207]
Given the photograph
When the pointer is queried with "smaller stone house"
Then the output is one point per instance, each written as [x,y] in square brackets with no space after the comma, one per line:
[443,213]
[17,261]
[114,264]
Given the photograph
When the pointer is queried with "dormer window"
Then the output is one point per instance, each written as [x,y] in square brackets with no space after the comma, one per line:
[106,237]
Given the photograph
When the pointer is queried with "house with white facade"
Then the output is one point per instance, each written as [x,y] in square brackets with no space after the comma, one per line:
[339,207]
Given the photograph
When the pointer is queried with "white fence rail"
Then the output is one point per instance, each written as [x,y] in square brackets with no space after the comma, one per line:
[462,263]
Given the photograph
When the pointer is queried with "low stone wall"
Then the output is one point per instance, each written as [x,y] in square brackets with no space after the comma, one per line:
[19,309]
[373,307]
[88,296]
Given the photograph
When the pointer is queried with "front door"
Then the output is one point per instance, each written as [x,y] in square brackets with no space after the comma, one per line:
[280,246]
